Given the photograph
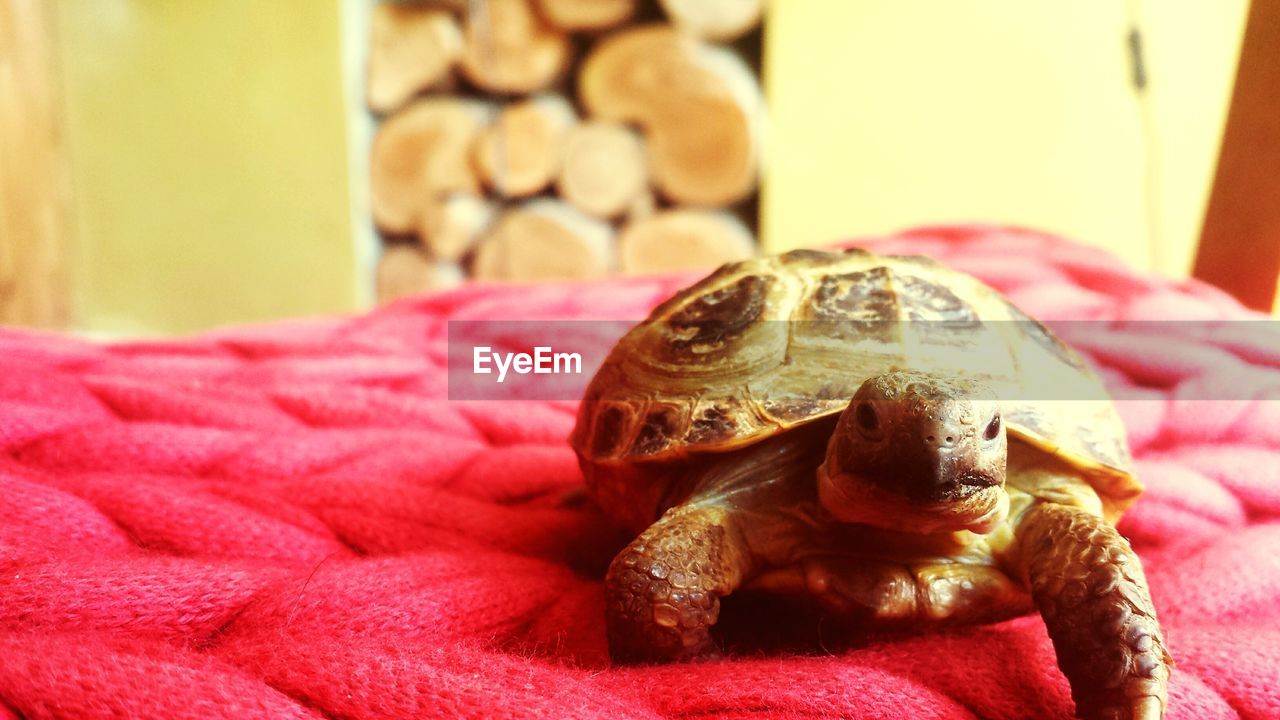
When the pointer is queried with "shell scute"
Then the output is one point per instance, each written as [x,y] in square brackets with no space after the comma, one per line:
[718,317]
[713,423]
[662,426]
[935,302]
[611,425]
[1042,336]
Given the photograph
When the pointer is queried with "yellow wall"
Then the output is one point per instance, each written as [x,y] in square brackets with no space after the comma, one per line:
[212,144]
[208,146]
[891,114]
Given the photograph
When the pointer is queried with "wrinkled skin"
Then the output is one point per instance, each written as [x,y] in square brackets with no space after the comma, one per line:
[914,508]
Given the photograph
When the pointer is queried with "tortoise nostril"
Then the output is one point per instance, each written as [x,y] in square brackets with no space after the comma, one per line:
[950,439]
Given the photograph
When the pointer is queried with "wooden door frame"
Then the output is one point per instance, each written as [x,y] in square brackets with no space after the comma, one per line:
[1239,247]
[35,207]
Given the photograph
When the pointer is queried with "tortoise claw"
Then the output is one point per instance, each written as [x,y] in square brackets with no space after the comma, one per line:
[1146,708]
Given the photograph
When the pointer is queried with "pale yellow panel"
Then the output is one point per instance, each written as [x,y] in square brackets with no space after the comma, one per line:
[209,158]
[1192,49]
[888,115]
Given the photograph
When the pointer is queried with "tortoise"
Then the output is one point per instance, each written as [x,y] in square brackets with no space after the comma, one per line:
[882,437]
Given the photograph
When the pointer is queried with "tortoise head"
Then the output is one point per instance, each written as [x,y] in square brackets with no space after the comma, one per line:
[918,452]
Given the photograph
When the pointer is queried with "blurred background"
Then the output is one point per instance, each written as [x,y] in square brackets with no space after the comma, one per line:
[170,165]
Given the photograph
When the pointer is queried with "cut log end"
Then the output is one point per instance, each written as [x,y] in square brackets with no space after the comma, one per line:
[451,224]
[420,153]
[404,270]
[574,15]
[412,48]
[508,49]
[643,207]
[544,240]
[680,240]
[605,171]
[720,20]
[520,154]
[699,106]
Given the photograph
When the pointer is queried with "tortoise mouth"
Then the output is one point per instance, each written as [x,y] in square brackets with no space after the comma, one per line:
[979,510]
[963,486]
[978,504]
[977,479]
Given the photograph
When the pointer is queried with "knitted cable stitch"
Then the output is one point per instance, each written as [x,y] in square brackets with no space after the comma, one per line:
[293,521]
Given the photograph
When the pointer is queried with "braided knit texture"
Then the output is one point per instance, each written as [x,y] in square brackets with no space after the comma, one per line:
[293,521]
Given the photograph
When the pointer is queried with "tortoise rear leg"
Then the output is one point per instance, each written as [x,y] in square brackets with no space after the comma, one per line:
[663,591]
[1090,588]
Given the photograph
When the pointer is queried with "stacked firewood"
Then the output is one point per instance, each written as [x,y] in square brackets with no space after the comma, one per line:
[556,139]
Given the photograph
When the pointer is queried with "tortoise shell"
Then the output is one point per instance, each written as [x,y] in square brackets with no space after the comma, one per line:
[766,345]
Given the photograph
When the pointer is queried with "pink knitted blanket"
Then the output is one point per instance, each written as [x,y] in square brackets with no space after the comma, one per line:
[294,521]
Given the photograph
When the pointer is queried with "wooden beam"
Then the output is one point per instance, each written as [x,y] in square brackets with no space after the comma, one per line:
[35,215]
[1240,242]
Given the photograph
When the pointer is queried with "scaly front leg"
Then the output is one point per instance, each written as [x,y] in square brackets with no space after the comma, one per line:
[663,591]
[1089,586]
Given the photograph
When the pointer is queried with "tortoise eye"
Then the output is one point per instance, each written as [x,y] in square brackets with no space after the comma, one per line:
[868,419]
[993,428]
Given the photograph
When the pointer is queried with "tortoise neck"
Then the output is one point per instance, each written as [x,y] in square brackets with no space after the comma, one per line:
[781,469]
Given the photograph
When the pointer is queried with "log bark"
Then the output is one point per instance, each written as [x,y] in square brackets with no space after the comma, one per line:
[544,240]
[413,48]
[520,154]
[678,240]
[699,106]
[586,15]
[720,20]
[604,168]
[508,49]
[452,224]
[405,270]
[420,153]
